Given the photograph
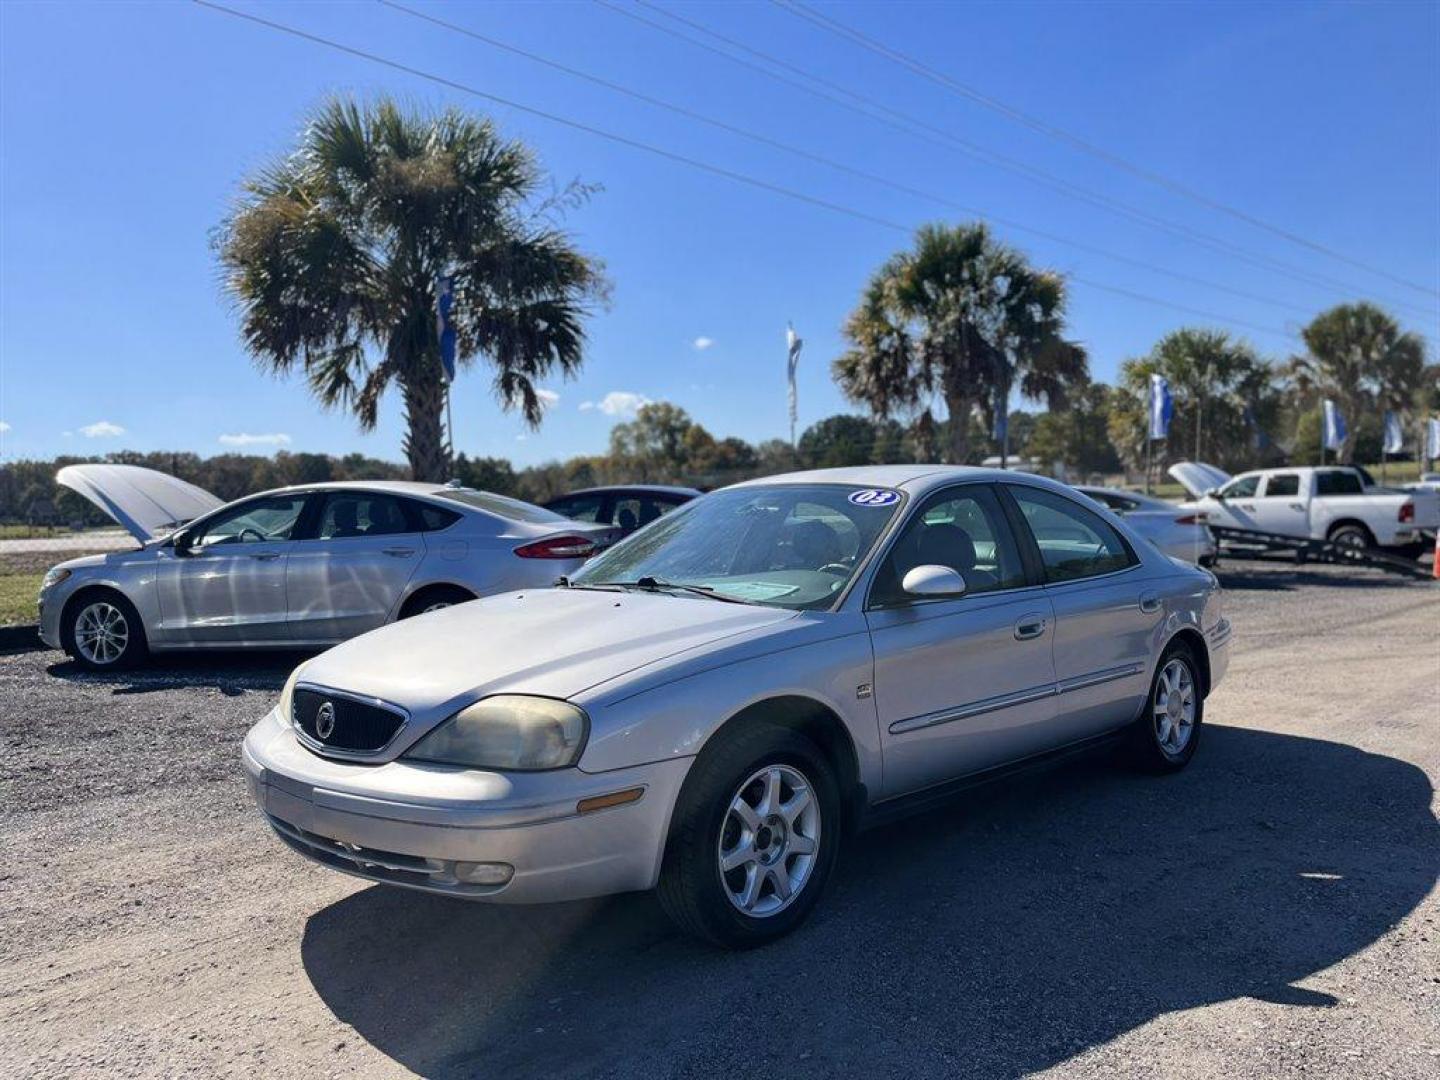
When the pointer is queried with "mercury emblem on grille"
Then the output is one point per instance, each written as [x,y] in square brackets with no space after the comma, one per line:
[325,720]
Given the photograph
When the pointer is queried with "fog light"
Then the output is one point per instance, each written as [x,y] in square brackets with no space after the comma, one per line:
[484,873]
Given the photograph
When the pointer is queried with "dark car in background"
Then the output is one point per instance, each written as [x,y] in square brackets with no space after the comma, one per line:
[626,507]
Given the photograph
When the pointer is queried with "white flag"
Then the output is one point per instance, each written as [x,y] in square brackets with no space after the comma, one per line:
[1394,437]
[1335,429]
[1432,438]
[1162,407]
[793,344]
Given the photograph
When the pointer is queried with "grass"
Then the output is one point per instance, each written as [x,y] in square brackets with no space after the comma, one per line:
[18,592]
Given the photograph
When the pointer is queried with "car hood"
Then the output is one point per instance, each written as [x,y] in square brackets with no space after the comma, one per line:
[149,504]
[552,642]
[1196,477]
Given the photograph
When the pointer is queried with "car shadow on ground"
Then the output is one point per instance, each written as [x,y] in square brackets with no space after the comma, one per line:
[231,673]
[994,938]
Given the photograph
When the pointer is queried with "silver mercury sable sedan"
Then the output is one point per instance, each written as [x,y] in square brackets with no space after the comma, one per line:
[710,705]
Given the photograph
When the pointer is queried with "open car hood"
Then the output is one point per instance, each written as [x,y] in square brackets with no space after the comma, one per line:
[147,503]
[1197,478]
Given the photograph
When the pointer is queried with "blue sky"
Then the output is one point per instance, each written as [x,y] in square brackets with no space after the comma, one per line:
[125,130]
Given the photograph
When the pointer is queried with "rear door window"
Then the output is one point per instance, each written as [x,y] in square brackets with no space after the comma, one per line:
[349,514]
[1074,541]
[1282,484]
[1338,482]
[580,507]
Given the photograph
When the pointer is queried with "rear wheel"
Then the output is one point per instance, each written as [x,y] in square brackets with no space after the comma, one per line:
[755,837]
[1168,730]
[434,598]
[1353,537]
[101,630]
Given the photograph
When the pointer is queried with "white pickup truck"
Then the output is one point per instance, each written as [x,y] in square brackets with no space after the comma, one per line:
[1331,503]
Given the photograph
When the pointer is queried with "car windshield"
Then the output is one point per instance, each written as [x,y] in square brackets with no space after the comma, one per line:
[500,505]
[786,545]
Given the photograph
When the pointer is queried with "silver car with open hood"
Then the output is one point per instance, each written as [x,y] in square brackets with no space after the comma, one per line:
[296,567]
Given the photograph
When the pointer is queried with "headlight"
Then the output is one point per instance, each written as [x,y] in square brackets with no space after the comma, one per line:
[54,577]
[287,694]
[509,731]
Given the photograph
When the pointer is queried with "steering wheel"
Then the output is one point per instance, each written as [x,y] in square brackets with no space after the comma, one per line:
[834,568]
[250,530]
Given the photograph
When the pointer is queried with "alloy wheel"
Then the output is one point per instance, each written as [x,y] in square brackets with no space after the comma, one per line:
[1173,708]
[101,633]
[769,840]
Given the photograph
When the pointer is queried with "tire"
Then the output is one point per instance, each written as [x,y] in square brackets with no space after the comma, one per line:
[433,598]
[1352,536]
[1164,742]
[705,901]
[102,631]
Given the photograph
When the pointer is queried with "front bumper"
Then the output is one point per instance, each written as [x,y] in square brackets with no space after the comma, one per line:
[48,616]
[410,824]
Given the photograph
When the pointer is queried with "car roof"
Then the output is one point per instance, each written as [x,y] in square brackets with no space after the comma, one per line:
[917,479]
[1124,493]
[654,489]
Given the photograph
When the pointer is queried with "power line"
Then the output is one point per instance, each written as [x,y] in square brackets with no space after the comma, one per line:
[834,26]
[669,155]
[807,155]
[931,133]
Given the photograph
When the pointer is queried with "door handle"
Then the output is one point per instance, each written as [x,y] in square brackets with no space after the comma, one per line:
[399,552]
[1149,603]
[1248,507]
[266,556]
[1299,508]
[1028,627]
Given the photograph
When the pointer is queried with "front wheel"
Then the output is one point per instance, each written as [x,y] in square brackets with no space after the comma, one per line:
[102,632]
[755,837]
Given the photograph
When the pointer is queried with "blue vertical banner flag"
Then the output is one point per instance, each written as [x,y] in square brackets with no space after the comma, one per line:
[1259,440]
[1335,429]
[1432,438]
[1394,436]
[1002,416]
[445,325]
[1162,407]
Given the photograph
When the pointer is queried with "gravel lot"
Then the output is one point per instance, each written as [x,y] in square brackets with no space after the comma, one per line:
[1272,911]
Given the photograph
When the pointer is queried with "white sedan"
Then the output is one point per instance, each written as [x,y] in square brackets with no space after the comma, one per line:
[712,703]
[296,567]
[1177,532]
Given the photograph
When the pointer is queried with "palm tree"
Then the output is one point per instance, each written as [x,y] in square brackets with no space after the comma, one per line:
[333,256]
[1224,399]
[1357,355]
[960,316]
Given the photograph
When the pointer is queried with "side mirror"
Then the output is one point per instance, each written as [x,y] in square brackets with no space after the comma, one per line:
[182,541]
[931,580]
[1213,493]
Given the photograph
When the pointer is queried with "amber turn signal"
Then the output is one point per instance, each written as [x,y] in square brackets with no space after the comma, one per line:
[604,802]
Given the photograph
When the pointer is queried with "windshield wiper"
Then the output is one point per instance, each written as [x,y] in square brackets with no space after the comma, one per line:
[654,584]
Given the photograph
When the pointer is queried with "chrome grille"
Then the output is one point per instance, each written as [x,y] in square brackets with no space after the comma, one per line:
[352,725]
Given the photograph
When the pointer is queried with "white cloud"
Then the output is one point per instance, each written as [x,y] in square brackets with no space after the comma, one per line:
[703,343]
[4,427]
[547,398]
[244,438]
[102,429]
[617,403]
